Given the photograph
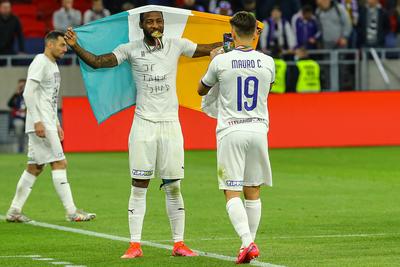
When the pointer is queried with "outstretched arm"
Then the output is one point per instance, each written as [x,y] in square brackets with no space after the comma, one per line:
[94,61]
[203,50]
[210,76]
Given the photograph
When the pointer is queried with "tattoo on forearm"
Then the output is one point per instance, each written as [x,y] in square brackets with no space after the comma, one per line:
[205,49]
[102,61]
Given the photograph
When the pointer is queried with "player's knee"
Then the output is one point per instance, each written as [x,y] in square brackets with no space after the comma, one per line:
[140,183]
[251,192]
[172,188]
[35,169]
[59,165]
[229,194]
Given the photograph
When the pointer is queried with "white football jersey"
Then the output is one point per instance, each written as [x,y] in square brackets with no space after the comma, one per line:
[155,76]
[244,78]
[46,73]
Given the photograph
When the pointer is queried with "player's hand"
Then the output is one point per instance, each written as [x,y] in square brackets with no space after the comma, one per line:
[60,133]
[70,37]
[39,129]
[216,51]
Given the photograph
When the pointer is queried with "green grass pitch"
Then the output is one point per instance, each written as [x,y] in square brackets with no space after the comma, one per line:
[328,207]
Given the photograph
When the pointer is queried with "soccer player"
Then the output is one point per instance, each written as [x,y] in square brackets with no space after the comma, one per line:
[155,141]
[244,77]
[44,132]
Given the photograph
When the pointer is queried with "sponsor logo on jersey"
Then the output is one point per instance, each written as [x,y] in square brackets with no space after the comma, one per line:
[142,172]
[247,120]
[233,183]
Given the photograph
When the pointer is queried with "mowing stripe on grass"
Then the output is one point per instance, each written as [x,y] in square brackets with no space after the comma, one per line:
[145,243]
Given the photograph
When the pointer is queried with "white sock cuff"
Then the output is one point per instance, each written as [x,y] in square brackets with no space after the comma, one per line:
[233,201]
[138,191]
[28,178]
[59,174]
[28,175]
[252,203]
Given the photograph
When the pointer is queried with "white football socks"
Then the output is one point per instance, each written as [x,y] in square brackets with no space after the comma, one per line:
[237,215]
[253,210]
[175,209]
[136,211]
[63,190]
[24,188]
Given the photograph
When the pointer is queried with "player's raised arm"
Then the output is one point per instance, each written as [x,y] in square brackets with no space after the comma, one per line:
[94,61]
[209,79]
[203,50]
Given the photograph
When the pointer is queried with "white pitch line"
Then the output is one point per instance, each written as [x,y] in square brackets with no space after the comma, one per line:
[146,243]
[43,259]
[287,237]
[21,256]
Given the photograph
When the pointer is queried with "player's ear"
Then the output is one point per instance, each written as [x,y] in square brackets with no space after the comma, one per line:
[49,44]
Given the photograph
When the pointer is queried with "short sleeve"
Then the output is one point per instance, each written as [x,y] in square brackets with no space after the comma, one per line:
[187,47]
[210,78]
[272,70]
[122,52]
[36,70]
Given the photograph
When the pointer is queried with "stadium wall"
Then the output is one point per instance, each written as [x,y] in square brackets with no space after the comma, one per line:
[296,120]
[72,83]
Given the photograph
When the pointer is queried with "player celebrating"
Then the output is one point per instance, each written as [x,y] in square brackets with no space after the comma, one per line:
[155,141]
[44,132]
[244,77]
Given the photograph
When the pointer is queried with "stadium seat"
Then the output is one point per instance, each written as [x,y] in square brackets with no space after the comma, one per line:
[46,9]
[34,28]
[83,5]
[25,11]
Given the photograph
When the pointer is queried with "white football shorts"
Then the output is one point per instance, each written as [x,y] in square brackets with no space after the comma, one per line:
[156,147]
[44,150]
[243,160]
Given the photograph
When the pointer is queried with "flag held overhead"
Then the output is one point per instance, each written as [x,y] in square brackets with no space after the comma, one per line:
[111,90]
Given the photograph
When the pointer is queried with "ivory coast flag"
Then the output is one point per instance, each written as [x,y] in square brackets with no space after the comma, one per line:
[111,90]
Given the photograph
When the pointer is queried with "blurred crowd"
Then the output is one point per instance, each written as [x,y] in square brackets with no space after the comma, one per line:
[289,24]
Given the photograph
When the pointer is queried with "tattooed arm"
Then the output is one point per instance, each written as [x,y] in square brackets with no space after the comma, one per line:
[101,61]
[205,49]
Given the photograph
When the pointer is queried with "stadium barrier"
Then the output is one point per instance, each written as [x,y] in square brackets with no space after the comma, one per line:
[296,120]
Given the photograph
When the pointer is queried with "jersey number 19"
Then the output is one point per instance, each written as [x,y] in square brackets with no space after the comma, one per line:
[243,87]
